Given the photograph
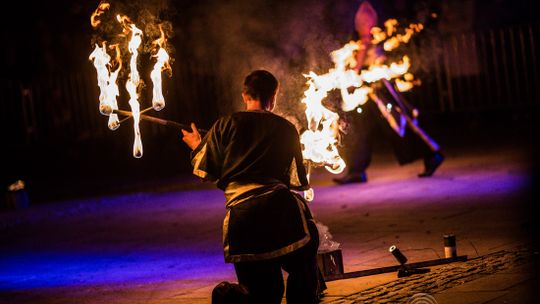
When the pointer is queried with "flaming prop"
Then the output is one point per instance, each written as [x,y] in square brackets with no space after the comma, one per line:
[107,75]
[158,102]
[320,140]
[390,38]
[106,83]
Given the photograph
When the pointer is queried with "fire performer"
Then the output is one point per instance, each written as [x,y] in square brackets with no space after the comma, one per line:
[408,140]
[255,157]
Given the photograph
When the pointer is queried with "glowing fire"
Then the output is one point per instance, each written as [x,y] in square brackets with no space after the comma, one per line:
[158,102]
[107,83]
[391,41]
[107,77]
[102,7]
[320,139]
[131,86]
[113,123]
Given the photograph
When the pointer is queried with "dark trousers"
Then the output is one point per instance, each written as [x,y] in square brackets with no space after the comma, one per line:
[264,279]
[370,126]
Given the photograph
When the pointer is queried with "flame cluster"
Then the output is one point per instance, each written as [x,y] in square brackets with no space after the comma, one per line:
[390,37]
[107,72]
[319,141]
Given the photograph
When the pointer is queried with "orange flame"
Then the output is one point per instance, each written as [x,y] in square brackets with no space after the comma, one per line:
[390,26]
[114,123]
[320,139]
[107,83]
[378,35]
[162,63]
[125,22]
[102,7]
[392,42]
[407,83]
[101,59]
[108,72]
[131,86]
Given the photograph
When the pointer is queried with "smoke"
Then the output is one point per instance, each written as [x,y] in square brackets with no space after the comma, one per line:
[326,240]
[150,16]
[218,42]
[286,38]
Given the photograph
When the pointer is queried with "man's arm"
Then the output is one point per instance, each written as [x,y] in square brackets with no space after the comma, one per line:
[298,174]
[207,155]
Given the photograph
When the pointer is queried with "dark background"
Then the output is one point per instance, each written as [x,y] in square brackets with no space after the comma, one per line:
[477,62]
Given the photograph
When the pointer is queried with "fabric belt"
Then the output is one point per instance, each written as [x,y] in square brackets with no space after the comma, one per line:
[237,192]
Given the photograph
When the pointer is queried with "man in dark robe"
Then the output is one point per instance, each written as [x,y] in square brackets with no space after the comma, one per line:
[255,157]
[376,120]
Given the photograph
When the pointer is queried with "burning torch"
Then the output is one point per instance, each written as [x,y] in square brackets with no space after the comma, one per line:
[108,71]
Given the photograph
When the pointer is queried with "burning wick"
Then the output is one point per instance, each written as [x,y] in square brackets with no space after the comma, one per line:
[158,101]
[101,59]
[131,86]
[108,72]
[107,83]
[113,123]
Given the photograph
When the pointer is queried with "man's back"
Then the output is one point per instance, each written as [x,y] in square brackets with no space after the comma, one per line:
[252,146]
[255,157]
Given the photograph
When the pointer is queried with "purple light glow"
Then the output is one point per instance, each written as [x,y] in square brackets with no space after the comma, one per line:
[54,269]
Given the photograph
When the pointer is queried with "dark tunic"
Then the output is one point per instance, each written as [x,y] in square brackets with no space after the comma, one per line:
[255,157]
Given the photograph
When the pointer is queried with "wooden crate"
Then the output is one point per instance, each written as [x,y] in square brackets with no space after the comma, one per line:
[330,262]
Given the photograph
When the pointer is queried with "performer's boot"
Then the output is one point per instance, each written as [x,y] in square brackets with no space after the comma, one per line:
[350,178]
[431,163]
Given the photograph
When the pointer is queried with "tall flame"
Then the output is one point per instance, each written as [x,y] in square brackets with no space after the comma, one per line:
[108,73]
[133,82]
[107,83]
[158,101]
[102,7]
[101,59]
[114,123]
[320,140]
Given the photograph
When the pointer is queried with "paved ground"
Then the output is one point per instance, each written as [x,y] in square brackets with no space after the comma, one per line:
[163,246]
[507,274]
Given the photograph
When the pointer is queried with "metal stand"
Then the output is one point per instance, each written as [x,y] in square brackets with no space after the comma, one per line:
[412,268]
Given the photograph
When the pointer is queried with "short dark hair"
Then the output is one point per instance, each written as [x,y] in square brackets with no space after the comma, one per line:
[229,293]
[261,85]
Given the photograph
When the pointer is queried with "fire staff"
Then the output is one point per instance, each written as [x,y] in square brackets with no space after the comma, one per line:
[254,156]
[389,114]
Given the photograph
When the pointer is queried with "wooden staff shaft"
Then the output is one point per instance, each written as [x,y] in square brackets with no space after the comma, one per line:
[163,122]
[404,109]
[423,135]
[131,116]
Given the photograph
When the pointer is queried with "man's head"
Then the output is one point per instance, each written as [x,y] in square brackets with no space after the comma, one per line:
[262,86]
[366,18]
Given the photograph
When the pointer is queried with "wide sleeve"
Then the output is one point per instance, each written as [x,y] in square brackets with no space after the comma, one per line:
[298,179]
[207,158]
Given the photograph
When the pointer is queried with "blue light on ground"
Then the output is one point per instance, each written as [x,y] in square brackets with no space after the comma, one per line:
[135,241]
[54,269]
